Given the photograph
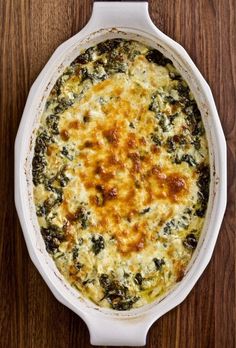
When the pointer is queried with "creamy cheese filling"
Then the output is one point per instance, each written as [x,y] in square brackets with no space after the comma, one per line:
[121,174]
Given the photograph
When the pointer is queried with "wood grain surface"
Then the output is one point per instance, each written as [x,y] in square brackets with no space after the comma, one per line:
[29,314]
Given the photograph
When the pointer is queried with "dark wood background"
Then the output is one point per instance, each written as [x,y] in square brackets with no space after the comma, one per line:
[29,314]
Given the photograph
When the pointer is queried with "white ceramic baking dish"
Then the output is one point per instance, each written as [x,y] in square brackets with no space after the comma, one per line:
[127,20]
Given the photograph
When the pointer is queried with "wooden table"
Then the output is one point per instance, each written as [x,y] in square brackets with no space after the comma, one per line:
[29,314]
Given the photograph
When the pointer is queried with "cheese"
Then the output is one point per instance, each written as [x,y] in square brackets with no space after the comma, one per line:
[121,174]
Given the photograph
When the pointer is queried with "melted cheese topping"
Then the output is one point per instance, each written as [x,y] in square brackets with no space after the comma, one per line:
[121,174]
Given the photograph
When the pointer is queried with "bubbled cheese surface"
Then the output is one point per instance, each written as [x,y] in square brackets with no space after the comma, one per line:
[121,174]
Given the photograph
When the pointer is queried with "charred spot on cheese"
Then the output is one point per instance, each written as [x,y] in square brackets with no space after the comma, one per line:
[121,174]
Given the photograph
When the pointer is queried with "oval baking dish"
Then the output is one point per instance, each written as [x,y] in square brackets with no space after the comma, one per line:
[130,21]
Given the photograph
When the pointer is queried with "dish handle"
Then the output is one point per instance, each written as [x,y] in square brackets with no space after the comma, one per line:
[118,331]
[115,14]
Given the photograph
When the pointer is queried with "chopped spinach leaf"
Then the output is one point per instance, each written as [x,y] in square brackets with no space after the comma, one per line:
[169,226]
[116,293]
[75,252]
[204,186]
[186,158]
[164,123]
[158,263]
[171,145]
[190,241]
[79,265]
[175,76]
[138,279]
[52,123]
[108,45]
[98,244]
[156,139]
[157,57]
[65,153]
[196,143]
[53,237]
[63,105]
[38,168]
[85,57]
[146,210]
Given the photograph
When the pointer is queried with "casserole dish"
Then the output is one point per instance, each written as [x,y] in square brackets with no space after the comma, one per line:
[115,20]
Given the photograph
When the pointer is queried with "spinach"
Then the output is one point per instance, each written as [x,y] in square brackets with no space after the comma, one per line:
[138,279]
[156,139]
[56,90]
[116,293]
[80,241]
[83,216]
[63,104]
[116,63]
[108,45]
[104,281]
[189,159]
[113,67]
[39,162]
[75,252]
[172,118]
[169,99]
[38,168]
[52,124]
[158,263]
[58,193]
[88,281]
[204,186]
[154,105]
[98,244]
[175,76]
[84,74]
[157,57]
[169,226]
[190,242]
[41,143]
[146,210]
[62,179]
[79,265]
[164,122]
[57,87]
[196,143]
[48,204]
[133,54]
[183,91]
[65,153]
[193,118]
[85,57]
[193,111]
[99,72]
[183,222]
[53,237]
[171,144]
[44,209]
[186,158]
